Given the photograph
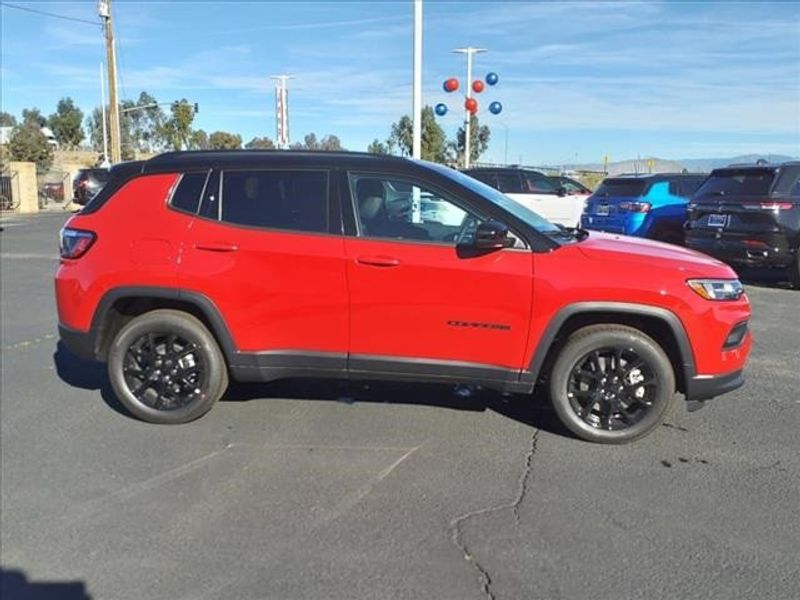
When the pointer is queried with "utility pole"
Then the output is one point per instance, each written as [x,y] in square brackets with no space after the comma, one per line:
[469,51]
[281,110]
[103,113]
[416,146]
[104,11]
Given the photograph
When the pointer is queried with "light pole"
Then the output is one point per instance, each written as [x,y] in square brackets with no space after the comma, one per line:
[416,146]
[282,110]
[469,51]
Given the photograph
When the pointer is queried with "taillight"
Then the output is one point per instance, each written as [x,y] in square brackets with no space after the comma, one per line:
[769,205]
[636,207]
[74,243]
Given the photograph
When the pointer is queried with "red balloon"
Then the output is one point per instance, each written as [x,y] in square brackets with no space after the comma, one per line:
[471,105]
[451,85]
[477,86]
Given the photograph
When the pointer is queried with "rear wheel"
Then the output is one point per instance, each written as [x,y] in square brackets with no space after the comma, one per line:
[795,274]
[166,367]
[612,384]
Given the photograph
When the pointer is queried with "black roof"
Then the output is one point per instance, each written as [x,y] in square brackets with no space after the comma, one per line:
[203,159]
[653,177]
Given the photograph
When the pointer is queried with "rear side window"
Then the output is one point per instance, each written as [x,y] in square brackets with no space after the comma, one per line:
[187,195]
[743,182]
[485,177]
[509,183]
[292,200]
[622,187]
[537,183]
[789,183]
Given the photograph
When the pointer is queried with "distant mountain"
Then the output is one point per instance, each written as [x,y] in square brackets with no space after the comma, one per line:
[693,165]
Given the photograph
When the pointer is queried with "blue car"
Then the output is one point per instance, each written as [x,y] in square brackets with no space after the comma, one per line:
[651,206]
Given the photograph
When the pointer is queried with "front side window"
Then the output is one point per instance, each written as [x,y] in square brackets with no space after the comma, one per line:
[391,207]
[291,200]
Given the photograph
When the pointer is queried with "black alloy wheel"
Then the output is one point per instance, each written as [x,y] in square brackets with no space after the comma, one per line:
[166,367]
[611,384]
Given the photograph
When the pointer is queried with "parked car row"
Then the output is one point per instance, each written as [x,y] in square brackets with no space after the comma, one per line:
[745,215]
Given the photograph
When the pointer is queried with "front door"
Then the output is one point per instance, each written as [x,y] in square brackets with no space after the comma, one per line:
[415,299]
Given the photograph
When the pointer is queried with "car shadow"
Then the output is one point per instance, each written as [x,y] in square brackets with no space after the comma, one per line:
[765,278]
[15,584]
[534,410]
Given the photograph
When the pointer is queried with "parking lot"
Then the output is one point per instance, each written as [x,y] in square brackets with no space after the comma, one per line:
[329,490]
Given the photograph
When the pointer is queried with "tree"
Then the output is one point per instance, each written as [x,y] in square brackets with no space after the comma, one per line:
[260,143]
[94,126]
[145,124]
[66,123]
[378,147]
[478,140]
[222,140]
[310,141]
[199,140]
[7,120]
[29,144]
[33,116]
[330,143]
[434,141]
[177,130]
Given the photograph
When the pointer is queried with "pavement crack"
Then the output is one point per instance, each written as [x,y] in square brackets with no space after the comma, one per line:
[456,525]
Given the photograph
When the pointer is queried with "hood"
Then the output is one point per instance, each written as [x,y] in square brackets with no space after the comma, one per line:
[621,249]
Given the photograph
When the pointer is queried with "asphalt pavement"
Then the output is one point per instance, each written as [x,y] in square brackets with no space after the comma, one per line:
[324,490]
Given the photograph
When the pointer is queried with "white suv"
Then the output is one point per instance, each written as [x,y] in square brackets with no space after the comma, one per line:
[536,191]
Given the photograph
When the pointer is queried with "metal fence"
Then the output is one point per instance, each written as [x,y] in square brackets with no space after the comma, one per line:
[54,187]
[7,200]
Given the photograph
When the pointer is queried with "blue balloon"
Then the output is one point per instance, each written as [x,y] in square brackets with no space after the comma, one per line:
[441,109]
[495,108]
[492,78]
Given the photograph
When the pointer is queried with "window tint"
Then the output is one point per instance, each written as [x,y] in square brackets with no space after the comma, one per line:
[622,187]
[745,182]
[209,207]
[509,183]
[388,207]
[294,200]
[789,182]
[484,176]
[187,194]
[536,183]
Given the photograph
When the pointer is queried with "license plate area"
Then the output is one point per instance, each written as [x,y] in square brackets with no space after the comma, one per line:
[717,220]
[602,210]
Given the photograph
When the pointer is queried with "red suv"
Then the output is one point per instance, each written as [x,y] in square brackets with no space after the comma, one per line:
[194,267]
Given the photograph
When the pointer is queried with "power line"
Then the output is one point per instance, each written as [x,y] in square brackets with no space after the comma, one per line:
[49,14]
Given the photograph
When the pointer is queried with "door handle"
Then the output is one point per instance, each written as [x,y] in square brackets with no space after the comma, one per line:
[217,247]
[378,261]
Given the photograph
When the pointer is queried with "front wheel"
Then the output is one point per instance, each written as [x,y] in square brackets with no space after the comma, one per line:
[612,384]
[166,367]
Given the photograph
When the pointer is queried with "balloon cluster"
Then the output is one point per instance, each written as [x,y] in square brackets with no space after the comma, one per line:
[471,104]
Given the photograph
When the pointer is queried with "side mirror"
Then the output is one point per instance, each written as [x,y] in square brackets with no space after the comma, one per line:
[492,235]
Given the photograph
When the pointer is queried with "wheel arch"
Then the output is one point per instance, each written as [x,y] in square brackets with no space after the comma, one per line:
[120,305]
[661,324]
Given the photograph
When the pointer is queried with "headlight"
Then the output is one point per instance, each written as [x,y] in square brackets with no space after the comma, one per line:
[717,289]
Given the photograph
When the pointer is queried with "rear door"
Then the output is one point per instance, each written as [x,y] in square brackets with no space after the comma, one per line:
[265,249]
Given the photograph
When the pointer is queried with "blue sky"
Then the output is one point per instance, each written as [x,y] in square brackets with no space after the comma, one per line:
[578,80]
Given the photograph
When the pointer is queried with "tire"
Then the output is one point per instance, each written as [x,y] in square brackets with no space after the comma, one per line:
[612,384]
[139,359]
[795,270]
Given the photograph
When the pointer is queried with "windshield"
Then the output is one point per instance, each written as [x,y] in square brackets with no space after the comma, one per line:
[737,183]
[515,208]
[624,187]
